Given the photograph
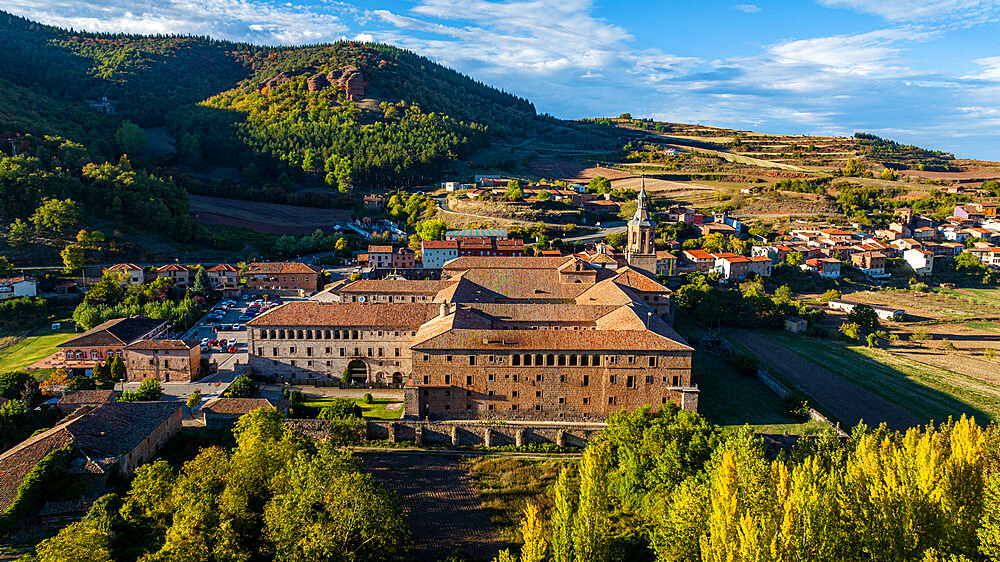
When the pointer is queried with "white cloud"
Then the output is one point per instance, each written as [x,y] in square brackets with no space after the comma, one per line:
[257,21]
[364,37]
[922,10]
[991,70]
[748,8]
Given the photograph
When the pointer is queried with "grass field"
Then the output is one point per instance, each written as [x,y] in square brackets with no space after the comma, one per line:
[933,393]
[377,410]
[37,345]
[505,485]
[729,398]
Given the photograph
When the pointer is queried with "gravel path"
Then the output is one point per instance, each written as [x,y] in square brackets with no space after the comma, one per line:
[845,400]
[440,504]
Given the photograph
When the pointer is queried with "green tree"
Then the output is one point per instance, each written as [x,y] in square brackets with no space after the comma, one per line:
[242,387]
[533,534]
[202,286]
[830,295]
[599,184]
[56,216]
[433,229]
[149,502]
[562,519]
[77,542]
[6,268]
[117,368]
[194,400]
[795,258]
[72,257]
[19,233]
[590,525]
[131,139]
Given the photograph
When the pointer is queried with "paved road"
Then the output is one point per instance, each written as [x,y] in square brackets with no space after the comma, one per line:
[845,400]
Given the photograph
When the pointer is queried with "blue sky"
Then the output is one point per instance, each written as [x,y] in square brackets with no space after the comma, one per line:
[925,72]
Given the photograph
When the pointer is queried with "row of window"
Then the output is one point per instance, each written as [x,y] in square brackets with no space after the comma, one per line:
[323,334]
[94,354]
[585,401]
[629,380]
[343,351]
[552,360]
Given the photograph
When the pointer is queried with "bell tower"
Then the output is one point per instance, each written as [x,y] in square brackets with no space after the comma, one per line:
[639,251]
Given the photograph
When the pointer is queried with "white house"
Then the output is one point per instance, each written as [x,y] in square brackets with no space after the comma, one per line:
[16,287]
[436,253]
[920,261]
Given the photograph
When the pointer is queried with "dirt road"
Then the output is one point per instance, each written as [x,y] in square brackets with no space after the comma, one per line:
[440,504]
[846,401]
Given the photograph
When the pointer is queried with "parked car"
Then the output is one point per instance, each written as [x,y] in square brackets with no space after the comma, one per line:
[231,349]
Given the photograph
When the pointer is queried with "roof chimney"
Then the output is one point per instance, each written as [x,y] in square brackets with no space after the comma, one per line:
[444,309]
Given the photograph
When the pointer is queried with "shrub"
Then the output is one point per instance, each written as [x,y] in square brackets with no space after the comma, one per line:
[795,404]
[745,364]
[347,431]
[149,391]
[830,294]
[241,387]
[368,398]
[194,400]
[340,408]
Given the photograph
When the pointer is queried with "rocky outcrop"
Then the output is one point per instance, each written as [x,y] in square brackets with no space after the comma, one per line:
[348,79]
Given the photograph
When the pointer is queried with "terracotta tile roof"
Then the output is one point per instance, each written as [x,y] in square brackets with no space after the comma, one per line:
[665,255]
[312,313]
[379,250]
[17,462]
[124,267]
[280,267]
[242,406]
[504,262]
[118,331]
[99,435]
[439,244]
[542,340]
[11,280]
[604,258]
[88,397]
[697,254]
[173,267]
[222,267]
[172,345]
[367,286]
[632,279]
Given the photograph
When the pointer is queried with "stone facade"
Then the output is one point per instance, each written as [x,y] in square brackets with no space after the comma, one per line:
[639,251]
[163,360]
[264,276]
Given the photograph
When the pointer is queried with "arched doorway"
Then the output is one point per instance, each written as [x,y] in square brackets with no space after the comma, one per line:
[357,371]
[397,379]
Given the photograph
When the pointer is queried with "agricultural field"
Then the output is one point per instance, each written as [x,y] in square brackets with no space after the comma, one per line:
[268,218]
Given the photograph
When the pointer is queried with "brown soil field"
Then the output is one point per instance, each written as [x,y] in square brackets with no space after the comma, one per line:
[269,218]
[570,171]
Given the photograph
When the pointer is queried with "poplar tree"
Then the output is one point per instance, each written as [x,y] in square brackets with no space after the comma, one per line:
[562,519]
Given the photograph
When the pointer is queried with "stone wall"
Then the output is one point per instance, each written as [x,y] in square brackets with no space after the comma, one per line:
[491,434]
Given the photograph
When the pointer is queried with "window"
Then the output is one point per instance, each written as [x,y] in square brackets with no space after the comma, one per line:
[490,393]
[328,351]
[562,378]
[447,393]
[260,351]
[515,378]
[447,358]
[538,378]
[550,360]
[649,379]
[562,400]
[586,380]
[630,382]
[427,379]
[309,363]
[513,406]
[538,407]
[396,352]
[515,360]
[447,379]
[664,400]
[491,377]
[292,362]
[309,351]
[611,379]
[538,360]
[274,351]
[468,380]
[538,394]
[490,407]
[513,394]
[572,360]
[562,360]
[468,407]
[631,359]
[597,361]
[652,360]
[426,358]
[677,380]
[472,360]
[586,400]
[291,350]
[343,352]
[611,400]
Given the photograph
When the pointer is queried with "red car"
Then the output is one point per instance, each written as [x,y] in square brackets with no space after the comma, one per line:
[231,349]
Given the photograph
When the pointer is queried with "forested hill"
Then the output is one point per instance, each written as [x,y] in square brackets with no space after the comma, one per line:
[414,117]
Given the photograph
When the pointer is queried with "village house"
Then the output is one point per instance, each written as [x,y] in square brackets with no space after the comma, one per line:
[666,263]
[374,202]
[380,256]
[404,258]
[870,263]
[131,274]
[224,412]
[920,261]
[108,339]
[72,400]
[702,260]
[281,276]
[179,275]
[163,360]
[490,233]
[17,287]
[828,268]
[224,277]
[107,441]
[732,266]
[436,253]
[989,256]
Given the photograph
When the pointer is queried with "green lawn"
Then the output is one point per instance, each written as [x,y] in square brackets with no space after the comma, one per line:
[988,326]
[930,392]
[729,398]
[376,410]
[39,345]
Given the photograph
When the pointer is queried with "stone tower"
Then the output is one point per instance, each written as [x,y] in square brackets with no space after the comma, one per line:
[639,251]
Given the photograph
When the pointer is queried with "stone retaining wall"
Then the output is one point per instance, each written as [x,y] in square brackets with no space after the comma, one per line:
[490,434]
